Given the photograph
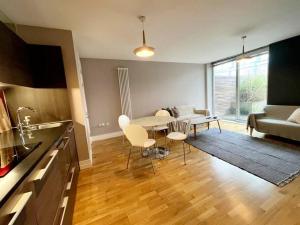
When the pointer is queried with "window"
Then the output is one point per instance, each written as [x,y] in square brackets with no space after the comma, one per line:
[240,88]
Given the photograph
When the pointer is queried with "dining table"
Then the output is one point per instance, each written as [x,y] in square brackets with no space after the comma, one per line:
[153,121]
[149,122]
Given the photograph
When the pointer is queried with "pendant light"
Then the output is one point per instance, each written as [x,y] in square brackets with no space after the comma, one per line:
[244,56]
[143,51]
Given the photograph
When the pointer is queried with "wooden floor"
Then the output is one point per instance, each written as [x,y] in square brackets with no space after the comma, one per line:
[205,191]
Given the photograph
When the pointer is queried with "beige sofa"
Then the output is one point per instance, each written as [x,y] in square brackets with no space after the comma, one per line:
[190,112]
[274,121]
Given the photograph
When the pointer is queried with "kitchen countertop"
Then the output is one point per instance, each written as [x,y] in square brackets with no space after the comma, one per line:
[47,137]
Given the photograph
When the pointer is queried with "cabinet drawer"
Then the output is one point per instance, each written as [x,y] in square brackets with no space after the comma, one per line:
[20,207]
[65,213]
[73,148]
[49,184]
[65,157]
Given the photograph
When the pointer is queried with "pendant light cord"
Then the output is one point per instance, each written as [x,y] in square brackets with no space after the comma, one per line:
[243,38]
[144,38]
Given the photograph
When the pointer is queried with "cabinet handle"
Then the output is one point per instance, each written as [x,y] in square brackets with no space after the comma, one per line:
[19,207]
[70,129]
[67,142]
[42,172]
[69,184]
[64,206]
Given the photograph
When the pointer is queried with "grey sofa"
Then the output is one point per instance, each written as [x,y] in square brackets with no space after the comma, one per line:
[190,112]
[274,121]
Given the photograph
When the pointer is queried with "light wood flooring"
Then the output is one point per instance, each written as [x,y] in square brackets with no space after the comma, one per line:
[205,191]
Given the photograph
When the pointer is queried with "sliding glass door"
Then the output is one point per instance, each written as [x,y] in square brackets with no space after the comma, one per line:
[240,88]
[225,90]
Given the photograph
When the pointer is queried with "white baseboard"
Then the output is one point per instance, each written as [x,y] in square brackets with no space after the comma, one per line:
[106,136]
[84,164]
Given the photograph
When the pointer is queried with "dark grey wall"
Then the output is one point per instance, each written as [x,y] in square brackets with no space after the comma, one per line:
[284,72]
[153,85]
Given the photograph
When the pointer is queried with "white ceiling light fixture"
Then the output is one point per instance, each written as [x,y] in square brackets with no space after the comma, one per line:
[243,56]
[143,51]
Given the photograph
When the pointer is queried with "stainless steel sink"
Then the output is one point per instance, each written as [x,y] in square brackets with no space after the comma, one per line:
[45,126]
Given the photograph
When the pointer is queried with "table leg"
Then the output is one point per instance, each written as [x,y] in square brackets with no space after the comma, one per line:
[219,126]
[208,126]
[195,131]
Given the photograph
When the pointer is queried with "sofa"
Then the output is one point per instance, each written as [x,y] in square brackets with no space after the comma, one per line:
[184,112]
[274,121]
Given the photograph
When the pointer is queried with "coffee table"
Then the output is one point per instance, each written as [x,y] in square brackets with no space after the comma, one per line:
[202,120]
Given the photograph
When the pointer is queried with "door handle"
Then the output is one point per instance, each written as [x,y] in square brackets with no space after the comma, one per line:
[43,171]
[70,129]
[69,184]
[19,207]
[67,139]
[64,206]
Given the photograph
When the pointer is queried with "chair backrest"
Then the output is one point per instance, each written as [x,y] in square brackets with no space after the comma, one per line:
[182,126]
[136,134]
[162,112]
[123,121]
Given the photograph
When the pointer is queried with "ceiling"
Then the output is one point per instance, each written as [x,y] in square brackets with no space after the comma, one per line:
[195,31]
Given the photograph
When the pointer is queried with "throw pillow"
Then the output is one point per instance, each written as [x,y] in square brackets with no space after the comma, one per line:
[295,116]
[175,112]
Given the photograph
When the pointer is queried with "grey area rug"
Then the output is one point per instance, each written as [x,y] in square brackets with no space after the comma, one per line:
[276,163]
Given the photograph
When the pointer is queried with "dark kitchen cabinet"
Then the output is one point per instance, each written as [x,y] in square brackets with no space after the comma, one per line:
[47,195]
[47,67]
[73,148]
[68,146]
[29,65]
[14,59]
[49,187]
[20,207]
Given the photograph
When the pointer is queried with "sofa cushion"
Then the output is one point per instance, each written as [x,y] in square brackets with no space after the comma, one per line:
[282,128]
[295,117]
[185,110]
[190,116]
[279,111]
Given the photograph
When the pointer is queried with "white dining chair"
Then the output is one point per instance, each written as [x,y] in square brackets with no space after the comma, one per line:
[123,123]
[162,127]
[138,137]
[181,133]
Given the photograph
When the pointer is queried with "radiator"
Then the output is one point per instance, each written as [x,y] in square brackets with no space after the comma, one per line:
[125,92]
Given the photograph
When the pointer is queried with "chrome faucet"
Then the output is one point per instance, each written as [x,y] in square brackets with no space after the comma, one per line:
[19,110]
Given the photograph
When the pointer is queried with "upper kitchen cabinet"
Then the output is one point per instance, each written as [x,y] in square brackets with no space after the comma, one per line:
[39,66]
[47,66]
[14,59]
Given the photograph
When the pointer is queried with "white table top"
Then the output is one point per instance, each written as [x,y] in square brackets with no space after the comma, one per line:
[203,120]
[152,121]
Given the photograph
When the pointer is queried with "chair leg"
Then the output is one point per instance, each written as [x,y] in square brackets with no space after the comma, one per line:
[165,138]
[128,157]
[189,148]
[183,153]
[152,166]
[251,131]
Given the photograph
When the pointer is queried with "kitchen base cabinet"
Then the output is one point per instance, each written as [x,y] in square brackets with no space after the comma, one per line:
[47,195]
[20,208]
[65,213]
[49,188]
